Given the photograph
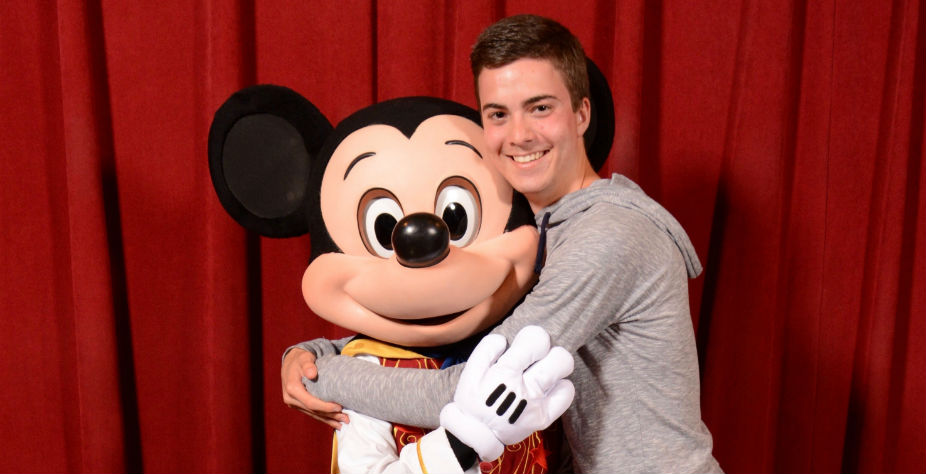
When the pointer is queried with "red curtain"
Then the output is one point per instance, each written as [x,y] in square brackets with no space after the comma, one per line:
[142,328]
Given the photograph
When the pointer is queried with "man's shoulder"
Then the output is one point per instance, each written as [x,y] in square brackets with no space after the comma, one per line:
[613,236]
[616,226]
[610,215]
[620,202]
[636,223]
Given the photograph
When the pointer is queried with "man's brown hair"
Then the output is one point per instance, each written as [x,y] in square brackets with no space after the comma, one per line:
[536,37]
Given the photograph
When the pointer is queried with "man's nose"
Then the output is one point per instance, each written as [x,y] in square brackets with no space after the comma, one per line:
[520,131]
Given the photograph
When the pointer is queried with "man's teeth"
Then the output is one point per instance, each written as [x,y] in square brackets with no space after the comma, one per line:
[527,158]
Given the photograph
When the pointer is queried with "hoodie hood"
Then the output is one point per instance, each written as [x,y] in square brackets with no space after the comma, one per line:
[621,191]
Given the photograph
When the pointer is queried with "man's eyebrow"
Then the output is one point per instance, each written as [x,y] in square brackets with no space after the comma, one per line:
[532,100]
[535,99]
[466,144]
[355,160]
[492,106]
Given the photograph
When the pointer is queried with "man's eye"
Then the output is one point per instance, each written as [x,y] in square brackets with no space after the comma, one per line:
[542,108]
[497,115]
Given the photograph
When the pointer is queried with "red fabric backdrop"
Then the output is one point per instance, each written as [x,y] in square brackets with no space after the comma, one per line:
[142,328]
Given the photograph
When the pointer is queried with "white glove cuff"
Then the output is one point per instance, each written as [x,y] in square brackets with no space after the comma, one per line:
[471,432]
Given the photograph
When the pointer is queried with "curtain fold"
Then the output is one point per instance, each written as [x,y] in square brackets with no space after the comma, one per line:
[141,329]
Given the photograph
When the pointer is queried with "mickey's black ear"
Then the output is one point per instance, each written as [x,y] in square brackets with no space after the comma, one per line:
[262,142]
[600,134]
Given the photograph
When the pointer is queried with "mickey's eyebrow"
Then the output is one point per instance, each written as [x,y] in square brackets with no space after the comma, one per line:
[466,144]
[355,160]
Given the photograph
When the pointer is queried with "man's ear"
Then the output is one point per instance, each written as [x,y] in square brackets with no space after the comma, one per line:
[262,143]
[583,115]
[600,133]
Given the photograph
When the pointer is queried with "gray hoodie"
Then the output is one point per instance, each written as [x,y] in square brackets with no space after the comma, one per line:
[614,292]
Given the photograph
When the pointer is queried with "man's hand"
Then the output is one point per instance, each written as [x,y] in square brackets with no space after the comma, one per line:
[504,396]
[296,365]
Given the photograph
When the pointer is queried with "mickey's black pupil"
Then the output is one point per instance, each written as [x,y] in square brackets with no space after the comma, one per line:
[455,217]
[383,228]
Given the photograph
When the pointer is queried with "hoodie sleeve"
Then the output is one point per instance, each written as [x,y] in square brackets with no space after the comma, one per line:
[606,266]
[407,396]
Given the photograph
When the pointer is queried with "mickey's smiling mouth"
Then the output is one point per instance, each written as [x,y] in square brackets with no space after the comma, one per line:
[432,321]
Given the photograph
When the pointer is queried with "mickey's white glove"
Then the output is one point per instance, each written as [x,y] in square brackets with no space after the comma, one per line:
[503,398]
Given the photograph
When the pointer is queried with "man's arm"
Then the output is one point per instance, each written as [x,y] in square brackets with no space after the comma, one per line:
[592,279]
[385,392]
[344,382]
[299,365]
[598,273]
[321,347]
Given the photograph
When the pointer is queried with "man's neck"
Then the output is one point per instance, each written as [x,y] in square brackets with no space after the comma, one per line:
[538,202]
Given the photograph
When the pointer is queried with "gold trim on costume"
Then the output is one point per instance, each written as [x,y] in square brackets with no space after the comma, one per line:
[378,349]
[334,455]
[420,458]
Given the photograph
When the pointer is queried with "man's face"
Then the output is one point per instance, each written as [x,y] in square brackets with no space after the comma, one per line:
[531,129]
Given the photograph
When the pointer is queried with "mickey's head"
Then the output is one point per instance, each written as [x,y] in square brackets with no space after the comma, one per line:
[416,240]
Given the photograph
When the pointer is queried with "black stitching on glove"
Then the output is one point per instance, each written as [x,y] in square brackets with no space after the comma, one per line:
[505,404]
[517,412]
[497,393]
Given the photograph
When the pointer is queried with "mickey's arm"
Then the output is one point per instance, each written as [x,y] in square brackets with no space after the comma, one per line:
[503,396]
[367,446]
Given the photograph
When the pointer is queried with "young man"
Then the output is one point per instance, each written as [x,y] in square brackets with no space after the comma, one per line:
[613,289]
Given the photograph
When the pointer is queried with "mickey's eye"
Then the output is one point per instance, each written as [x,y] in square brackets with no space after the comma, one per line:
[377,216]
[459,206]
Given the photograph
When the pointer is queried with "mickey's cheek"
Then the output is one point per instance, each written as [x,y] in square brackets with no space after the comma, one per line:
[323,285]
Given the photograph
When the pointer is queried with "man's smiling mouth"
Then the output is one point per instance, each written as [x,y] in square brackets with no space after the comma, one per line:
[529,157]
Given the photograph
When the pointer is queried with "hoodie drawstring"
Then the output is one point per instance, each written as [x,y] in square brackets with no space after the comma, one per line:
[542,243]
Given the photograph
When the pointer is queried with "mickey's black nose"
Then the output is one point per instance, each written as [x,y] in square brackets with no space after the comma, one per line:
[421,240]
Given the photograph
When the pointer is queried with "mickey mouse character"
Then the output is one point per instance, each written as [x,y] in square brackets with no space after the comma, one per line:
[418,245]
